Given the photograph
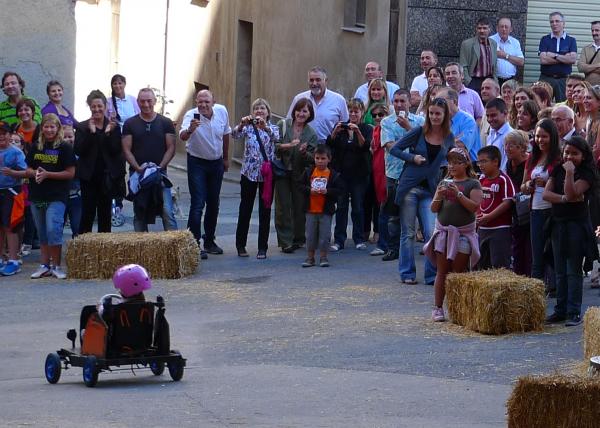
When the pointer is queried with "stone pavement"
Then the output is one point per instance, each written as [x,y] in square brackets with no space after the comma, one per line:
[271,344]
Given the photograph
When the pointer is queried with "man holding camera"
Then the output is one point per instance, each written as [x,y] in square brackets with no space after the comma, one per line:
[393,128]
[205,129]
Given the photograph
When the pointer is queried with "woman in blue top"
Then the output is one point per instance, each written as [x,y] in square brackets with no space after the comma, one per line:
[255,154]
[428,146]
[54,89]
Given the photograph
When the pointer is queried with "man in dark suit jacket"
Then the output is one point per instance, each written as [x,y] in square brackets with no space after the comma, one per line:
[564,117]
[478,56]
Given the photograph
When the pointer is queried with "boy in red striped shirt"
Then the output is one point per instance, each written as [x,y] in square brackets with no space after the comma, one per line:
[494,217]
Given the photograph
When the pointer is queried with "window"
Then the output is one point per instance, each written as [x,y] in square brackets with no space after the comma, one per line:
[355,12]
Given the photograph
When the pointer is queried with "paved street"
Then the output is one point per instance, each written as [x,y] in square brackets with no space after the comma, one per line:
[270,344]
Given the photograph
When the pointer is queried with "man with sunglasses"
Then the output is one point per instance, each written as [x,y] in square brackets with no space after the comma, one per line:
[393,128]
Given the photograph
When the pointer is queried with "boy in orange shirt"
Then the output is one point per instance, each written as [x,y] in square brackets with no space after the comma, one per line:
[321,187]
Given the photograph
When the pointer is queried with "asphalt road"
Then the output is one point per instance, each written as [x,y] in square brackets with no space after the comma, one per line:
[270,344]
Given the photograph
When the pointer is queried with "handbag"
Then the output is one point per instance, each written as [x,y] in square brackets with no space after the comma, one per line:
[266,171]
[522,209]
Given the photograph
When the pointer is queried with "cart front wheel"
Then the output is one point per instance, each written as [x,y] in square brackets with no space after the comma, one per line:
[157,368]
[176,368]
[90,371]
[52,368]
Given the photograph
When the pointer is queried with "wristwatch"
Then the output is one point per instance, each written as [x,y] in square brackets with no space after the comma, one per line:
[460,194]
[507,56]
[556,57]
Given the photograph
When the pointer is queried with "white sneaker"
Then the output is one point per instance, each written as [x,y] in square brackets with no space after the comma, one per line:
[377,252]
[335,247]
[43,270]
[58,273]
[361,246]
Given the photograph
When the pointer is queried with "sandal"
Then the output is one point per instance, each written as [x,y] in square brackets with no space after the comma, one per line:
[262,254]
[242,252]
[409,281]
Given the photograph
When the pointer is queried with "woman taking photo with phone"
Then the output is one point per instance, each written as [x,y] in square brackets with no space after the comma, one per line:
[429,145]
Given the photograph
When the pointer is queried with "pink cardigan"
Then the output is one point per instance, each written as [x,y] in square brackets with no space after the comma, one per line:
[447,236]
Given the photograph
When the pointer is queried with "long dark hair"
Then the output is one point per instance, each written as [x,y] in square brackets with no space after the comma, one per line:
[112,93]
[587,163]
[438,102]
[549,126]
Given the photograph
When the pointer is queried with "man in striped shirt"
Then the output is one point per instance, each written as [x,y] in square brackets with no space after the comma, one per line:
[13,86]
[478,56]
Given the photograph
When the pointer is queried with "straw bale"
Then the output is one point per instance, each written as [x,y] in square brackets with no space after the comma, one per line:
[591,332]
[554,401]
[166,255]
[496,301]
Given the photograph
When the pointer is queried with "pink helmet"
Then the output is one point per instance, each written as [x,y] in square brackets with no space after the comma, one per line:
[131,280]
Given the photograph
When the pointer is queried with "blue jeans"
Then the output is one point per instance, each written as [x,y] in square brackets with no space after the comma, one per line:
[384,235]
[354,190]
[73,211]
[416,202]
[568,248]
[49,221]
[167,216]
[204,181]
[538,241]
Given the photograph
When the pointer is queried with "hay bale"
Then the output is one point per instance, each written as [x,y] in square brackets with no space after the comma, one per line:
[591,332]
[496,301]
[166,255]
[554,401]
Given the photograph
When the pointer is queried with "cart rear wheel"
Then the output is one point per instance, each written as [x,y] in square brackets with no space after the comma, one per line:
[157,367]
[176,367]
[90,371]
[52,367]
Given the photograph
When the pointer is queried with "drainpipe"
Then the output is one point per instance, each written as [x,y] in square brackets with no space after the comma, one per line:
[393,41]
[164,82]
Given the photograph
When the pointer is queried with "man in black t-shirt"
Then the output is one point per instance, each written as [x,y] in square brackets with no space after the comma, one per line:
[150,137]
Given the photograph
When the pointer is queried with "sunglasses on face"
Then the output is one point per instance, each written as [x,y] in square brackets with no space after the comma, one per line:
[378,114]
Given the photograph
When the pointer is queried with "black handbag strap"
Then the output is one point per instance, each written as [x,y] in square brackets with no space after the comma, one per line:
[594,56]
[260,144]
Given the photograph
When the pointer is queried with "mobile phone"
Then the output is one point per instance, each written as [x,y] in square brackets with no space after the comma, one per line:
[401,113]
[197,116]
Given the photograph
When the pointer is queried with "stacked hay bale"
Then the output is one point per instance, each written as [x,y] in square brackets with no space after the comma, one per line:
[496,301]
[591,333]
[554,401]
[166,255]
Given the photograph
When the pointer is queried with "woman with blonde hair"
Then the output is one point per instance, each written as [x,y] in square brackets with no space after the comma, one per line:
[259,150]
[581,115]
[50,167]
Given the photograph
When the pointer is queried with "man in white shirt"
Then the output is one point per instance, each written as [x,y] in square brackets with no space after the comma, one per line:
[489,90]
[419,85]
[205,129]
[589,60]
[373,71]
[496,112]
[510,55]
[330,107]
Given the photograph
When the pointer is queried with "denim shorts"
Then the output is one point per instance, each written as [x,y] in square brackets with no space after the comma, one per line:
[464,246]
[49,221]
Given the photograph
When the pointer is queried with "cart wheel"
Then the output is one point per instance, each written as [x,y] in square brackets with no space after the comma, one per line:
[90,371]
[157,368]
[176,368]
[52,368]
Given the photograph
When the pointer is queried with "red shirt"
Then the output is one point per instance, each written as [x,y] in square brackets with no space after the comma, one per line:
[495,191]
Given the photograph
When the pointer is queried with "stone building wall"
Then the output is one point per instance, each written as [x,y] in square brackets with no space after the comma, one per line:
[37,40]
[443,24]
